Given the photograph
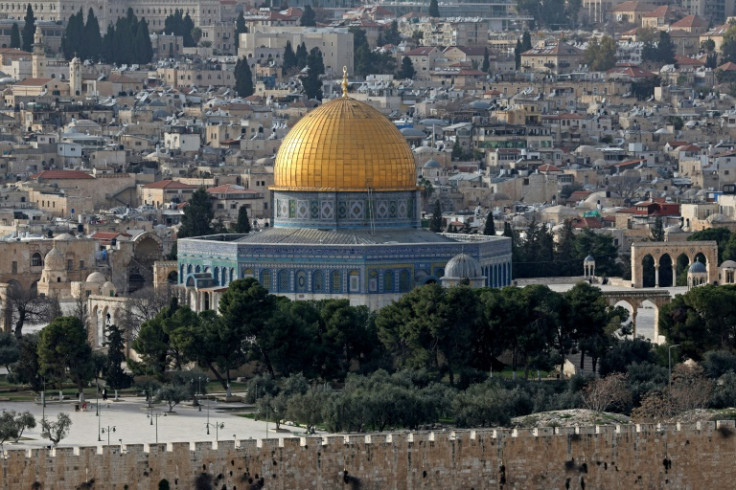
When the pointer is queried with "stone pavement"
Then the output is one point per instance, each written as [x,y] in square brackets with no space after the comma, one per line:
[132,423]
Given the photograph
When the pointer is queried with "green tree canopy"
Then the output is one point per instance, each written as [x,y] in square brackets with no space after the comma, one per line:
[601,55]
[243,224]
[434,9]
[29,29]
[407,69]
[63,352]
[312,81]
[198,214]
[308,18]
[240,28]
[15,36]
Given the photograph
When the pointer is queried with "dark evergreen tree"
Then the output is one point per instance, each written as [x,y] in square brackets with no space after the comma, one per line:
[490,227]
[289,61]
[658,230]
[72,41]
[301,56]
[187,32]
[198,214]
[115,375]
[435,223]
[240,28]
[107,51]
[312,81]
[434,9]
[517,54]
[29,29]
[142,43]
[309,18]
[486,66]
[391,34]
[92,36]
[15,36]
[243,78]
[526,41]
[243,224]
[407,69]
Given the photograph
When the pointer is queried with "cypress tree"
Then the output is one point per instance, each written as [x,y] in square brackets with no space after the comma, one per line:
[308,18]
[243,224]
[92,37]
[72,38]
[486,61]
[240,28]
[490,227]
[15,36]
[289,59]
[301,56]
[526,41]
[435,223]
[434,9]
[29,29]
[107,53]
[143,48]
[407,68]
[517,54]
[187,26]
[311,82]
[243,78]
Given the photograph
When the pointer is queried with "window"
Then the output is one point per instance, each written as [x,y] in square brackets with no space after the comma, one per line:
[284,280]
[336,282]
[318,282]
[388,281]
[354,281]
[373,281]
[14,267]
[301,281]
[36,260]
[69,264]
[266,279]
[81,264]
[404,281]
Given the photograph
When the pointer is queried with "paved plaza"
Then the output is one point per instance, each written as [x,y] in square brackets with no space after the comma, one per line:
[132,423]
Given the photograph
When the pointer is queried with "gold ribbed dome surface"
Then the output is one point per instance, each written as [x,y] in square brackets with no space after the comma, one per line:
[344,145]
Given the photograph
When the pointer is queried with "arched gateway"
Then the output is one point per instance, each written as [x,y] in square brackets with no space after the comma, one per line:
[666,254]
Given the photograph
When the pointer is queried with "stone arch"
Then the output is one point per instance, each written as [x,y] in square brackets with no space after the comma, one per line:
[632,313]
[656,250]
[283,281]
[639,300]
[389,281]
[667,270]
[648,271]
[318,282]
[301,282]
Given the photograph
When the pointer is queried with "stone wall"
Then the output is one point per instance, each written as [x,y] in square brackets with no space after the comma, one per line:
[641,456]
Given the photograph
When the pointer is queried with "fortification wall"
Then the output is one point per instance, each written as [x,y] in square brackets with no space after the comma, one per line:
[641,456]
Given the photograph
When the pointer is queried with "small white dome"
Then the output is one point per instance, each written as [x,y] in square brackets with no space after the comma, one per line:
[54,260]
[96,277]
[463,266]
[107,287]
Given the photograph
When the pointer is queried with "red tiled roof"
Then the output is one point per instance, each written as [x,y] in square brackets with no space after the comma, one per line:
[168,184]
[61,175]
[34,82]
[690,21]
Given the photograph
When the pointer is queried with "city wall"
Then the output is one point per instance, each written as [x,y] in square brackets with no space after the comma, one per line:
[642,456]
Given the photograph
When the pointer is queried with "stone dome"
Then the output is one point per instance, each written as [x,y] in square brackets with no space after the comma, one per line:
[107,287]
[463,266]
[698,268]
[96,277]
[589,259]
[54,260]
[65,236]
[344,145]
[432,163]
[728,264]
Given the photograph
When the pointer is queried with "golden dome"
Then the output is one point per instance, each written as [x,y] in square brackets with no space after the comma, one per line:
[344,145]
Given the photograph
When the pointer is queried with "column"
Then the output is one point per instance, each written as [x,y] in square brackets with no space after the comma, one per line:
[674,273]
[656,275]
[633,321]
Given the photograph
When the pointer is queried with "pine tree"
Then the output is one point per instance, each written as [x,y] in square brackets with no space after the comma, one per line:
[308,17]
[107,52]
[243,224]
[526,41]
[243,78]
[435,223]
[71,40]
[434,9]
[517,54]
[490,227]
[240,28]
[29,29]
[301,56]
[289,59]
[407,69]
[187,27]
[15,36]
[115,376]
[391,35]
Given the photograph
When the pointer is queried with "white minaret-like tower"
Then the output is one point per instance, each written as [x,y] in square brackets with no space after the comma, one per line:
[38,57]
[75,77]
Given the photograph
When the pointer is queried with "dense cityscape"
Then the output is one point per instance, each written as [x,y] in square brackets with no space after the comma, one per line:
[432,224]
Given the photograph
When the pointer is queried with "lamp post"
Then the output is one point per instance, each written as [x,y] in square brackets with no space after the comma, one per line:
[208,416]
[669,365]
[217,426]
[107,429]
[43,400]
[156,416]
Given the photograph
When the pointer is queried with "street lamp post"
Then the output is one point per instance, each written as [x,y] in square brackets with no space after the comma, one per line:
[208,416]
[108,429]
[156,416]
[43,400]
[217,426]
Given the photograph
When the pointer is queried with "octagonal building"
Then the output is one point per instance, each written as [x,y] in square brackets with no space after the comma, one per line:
[346,222]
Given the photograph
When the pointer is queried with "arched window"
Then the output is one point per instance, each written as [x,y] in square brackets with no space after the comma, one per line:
[388,281]
[284,280]
[216,277]
[301,281]
[197,269]
[404,281]
[318,282]
[36,260]
[354,281]
[266,279]
[336,282]
[373,281]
